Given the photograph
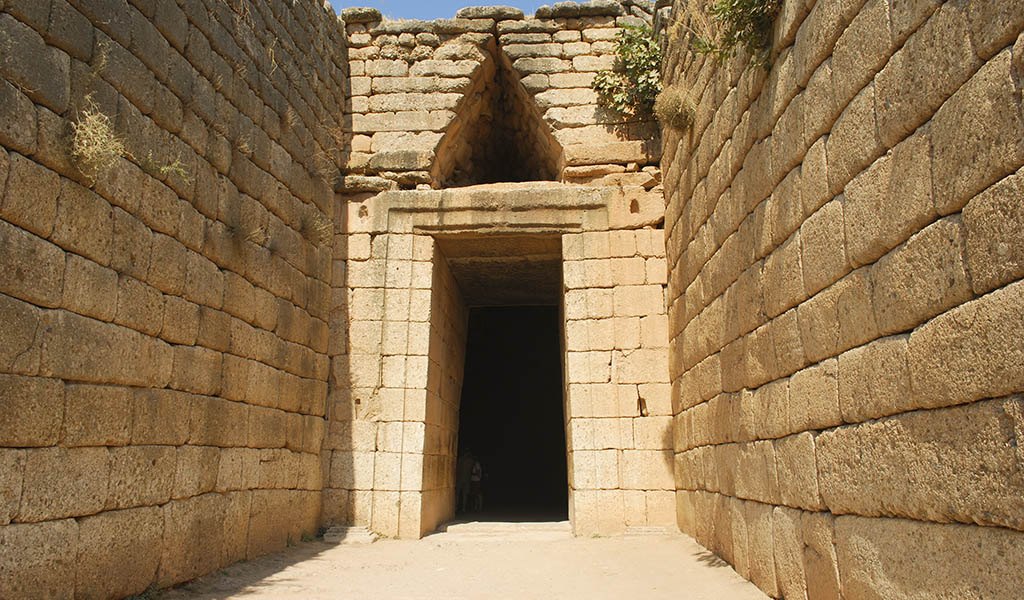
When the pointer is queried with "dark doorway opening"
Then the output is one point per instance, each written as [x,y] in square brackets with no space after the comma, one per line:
[511,415]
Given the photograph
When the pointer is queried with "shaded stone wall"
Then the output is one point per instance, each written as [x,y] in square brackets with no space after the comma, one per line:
[163,320]
[845,248]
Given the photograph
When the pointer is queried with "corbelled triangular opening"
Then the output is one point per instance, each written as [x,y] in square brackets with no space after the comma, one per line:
[498,135]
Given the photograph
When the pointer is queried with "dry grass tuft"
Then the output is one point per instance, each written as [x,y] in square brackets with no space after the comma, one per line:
[675,108]
[93,142]
[318,229]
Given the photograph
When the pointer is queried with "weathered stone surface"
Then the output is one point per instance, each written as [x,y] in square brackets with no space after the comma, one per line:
[193,537]
[353,15]
[63,483]
[33,269]
[45,562]
[874,222]
[118,552]
[881,558]
[976,124]
[993,222]
[970,352]
[501,13]
[33,409]
[956,464]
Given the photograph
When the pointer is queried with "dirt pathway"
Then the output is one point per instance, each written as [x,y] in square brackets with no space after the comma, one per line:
[477,564]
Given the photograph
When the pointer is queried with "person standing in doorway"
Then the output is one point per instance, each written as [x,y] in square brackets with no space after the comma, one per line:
[463,476]
[476,492]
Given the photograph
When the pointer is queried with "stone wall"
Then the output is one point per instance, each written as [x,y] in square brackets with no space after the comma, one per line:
[845,248]
[427,94]
[163,317]
[398,369]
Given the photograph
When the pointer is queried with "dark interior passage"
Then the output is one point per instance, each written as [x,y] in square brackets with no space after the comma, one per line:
[510,415]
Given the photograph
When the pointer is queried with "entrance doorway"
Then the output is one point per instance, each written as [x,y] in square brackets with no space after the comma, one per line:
[511,413]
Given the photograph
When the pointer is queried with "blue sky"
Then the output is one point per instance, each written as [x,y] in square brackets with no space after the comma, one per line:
[433,9]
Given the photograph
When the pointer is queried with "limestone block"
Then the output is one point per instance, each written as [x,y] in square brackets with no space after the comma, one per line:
[861,50]
[96,416]
[33,269]
[932,64]
[409,120]
[42,70]
[993,27]
[193,539]
[218,422]
[798,472]
[647,470]
[788,548]
[755,475]
[589,367]
[784,331]
[955,464]
[516,51]
[85,222]
[814,397]
[12,470]
[141,476]
[638,300]
[652,433]
[823,250]
[545,65]
[822,334]
[821,564]
[382,103]
[640,366]
[654,330]
[595,470]
[853,143]
[569,35]
[196,470]
[352,470]
[993,223]
[610,152]
[875,224]
[881,558]
[32,411]
[566,97]
[874,380]
[760,546]
[443,68]
[139,306]
[31,198]
[579,116]
[119,552]
[592,64]
[597,512]
[197,370]
[159,417]
[45,562]
[18,122]
[628,271]
[784,287]
[922,278]
[63,483]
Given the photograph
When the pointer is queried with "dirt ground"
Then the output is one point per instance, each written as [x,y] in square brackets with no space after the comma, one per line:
[478,563]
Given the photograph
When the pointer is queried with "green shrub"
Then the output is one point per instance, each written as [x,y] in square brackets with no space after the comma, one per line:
[631,87]
[675,108]
[743,24]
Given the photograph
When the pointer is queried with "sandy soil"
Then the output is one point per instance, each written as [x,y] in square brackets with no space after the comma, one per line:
[472,565]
